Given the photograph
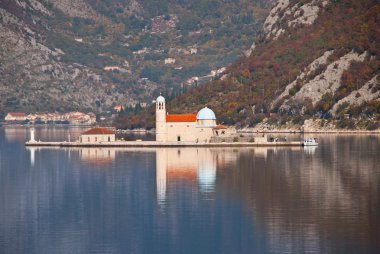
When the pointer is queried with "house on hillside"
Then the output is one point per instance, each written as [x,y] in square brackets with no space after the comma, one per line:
[169,61]
[97,135]
[118,108]
[193,51]
[15,117]
[111,68]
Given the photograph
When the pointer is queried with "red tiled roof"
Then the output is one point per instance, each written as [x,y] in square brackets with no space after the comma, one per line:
[181,118]
[17,114]
[98,131]
[220,127]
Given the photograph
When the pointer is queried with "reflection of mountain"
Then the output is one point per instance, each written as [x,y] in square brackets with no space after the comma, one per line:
[92,155]
[267,200]
[44,132]
[309,203]
[14,134]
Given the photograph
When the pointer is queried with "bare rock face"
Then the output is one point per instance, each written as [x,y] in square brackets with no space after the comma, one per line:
[92,54]
[74,8]
[32,77]
[305,73]
[326,82]
[294,15]
[357,97]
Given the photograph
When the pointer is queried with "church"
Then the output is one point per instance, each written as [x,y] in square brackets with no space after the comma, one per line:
[195,127]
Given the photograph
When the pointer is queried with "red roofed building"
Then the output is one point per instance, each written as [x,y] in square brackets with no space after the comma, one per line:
[222,130]
[194,128]
[118,108]
[15,116]
[97,135]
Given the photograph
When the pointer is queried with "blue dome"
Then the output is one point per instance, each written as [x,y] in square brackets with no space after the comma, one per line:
[206,114]
[160,99]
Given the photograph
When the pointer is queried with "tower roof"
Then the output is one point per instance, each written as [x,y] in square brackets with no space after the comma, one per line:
[206,114]
[160,99]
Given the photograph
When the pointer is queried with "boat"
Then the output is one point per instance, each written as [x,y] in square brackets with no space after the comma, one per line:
[310,142]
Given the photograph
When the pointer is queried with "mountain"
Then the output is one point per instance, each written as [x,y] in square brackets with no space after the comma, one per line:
[315,65]
[61,55]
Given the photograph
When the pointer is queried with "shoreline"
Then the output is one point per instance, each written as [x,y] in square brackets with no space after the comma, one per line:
[160,144]
[313,132]
[239,131]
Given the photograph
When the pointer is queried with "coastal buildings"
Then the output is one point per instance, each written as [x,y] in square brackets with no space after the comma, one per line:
[15,117]
[74,118]
[97,135]
[194,127]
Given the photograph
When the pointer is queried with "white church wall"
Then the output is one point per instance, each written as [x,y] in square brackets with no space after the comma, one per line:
[204,134]
[187,131]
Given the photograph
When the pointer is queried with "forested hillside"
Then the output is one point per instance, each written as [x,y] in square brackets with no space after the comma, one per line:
[60,55]
[313,60]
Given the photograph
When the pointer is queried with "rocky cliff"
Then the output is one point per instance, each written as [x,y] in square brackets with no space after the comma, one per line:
[314,60]
[60,55]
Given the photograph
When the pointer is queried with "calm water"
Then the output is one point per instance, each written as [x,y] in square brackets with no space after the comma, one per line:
[205,200]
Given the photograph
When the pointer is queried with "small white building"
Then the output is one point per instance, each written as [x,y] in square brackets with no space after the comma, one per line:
[112,68]
[97,135]
[169,61]
[15,116]
[193,51]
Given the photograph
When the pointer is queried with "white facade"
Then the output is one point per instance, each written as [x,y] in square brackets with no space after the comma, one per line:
[160,119]
[97,135]
[197,128]
[169,61]
[193,51]
[32,136]
[99,138]
[15,117]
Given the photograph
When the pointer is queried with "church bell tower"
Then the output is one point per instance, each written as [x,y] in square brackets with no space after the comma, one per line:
[160,119]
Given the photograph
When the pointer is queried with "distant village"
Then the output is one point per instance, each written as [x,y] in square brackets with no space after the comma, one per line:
[73,118]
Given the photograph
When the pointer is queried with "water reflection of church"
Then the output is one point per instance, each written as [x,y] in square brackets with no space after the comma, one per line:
[190,164]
